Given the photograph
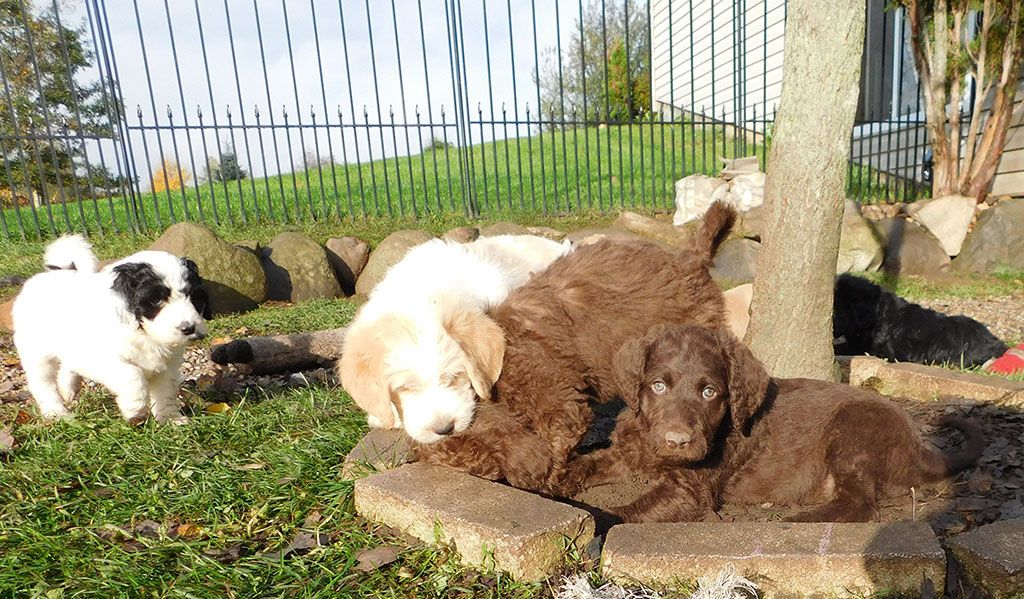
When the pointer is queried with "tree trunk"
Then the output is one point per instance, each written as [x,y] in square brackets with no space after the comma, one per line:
[791,311]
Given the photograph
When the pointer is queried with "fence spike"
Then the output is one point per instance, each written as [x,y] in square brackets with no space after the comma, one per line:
[199,111]
[170,115]
[284,111]
[138,111]
[312,112]
[256,109]
[365,113]
[228,110]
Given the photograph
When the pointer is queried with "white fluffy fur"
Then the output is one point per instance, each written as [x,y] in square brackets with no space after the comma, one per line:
[70,324]
[420,351]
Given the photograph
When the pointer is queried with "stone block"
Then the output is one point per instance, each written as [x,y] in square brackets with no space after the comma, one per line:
[922,382]
[783,559]
[992,559]
[490,525]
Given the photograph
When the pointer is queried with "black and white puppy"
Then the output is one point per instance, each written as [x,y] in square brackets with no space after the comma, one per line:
[125,327]
[870,320]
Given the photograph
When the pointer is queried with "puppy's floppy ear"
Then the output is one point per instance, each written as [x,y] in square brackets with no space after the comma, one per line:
[483,341]
[361,372]
[630,363]
[748,380]
[196,289]
[141,288]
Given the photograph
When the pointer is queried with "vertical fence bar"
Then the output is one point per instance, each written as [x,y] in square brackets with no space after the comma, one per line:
[270,113]
[405,116]
[380,117]
[586,117]
[24,158]
[540,114]
[184,116]
[216,133]
[327,117]
[430,105]
[352,111]
[515,105]
[298,120]
[245,134]
[561,101]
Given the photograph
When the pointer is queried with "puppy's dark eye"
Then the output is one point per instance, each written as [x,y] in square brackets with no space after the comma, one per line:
[709,392]
[659,387]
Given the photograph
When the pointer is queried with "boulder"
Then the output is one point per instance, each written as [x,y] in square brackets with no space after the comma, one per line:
[250,245]
[911,250]
[387,253]
[948,218]
[547,233]
[694,194]
[503,228]
[747,190]
[462,234]
[297,269]
[736,262]
[651,228]
[233,276]
[751,223]
[997,239]
[589,236]
[733,167]
[860,248]
[6,322]
[348,256]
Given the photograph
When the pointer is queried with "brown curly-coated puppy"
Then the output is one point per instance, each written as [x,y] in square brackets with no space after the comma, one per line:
[562,330]
[705,420]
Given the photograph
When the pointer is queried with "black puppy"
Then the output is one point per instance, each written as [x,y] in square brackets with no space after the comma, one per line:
[870,320]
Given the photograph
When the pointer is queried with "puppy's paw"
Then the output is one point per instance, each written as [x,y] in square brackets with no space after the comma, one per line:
[57,414]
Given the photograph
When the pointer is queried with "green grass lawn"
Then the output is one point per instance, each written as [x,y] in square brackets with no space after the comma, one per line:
[586,170]
[228,493]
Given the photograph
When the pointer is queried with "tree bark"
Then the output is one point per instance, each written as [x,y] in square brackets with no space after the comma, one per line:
[791,311]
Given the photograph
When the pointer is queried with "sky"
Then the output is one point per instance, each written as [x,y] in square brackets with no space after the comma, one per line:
[275,77]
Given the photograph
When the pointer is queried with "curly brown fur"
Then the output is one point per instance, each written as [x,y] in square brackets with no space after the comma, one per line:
[708,424]
[562,330]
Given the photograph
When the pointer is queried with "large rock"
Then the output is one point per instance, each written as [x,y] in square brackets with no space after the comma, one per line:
[462,234]
[997,239]
[233,276]
[860,248]
[348,256]
[694,195]
[751,223]
[6,322]
[911,250]
[297,269]
[736,262]
[948,218]
[747,190]
[547,233]
[387,253]
[503,228]
[733,167]
[925,383]
[589,236]
[652,228]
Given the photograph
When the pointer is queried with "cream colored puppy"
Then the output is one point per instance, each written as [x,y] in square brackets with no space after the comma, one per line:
[420,351]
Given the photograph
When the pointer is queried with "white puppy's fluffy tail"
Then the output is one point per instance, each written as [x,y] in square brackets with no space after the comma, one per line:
[71,252]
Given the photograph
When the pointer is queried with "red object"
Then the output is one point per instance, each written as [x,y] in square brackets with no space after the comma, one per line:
[1009,363]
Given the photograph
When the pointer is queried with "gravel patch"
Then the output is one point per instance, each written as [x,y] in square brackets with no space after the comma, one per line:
[1004,316]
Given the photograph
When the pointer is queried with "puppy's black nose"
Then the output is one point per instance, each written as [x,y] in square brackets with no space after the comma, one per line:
[445,429]
[187,328]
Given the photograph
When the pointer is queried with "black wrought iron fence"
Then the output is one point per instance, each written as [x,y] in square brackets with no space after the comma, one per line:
[122,116]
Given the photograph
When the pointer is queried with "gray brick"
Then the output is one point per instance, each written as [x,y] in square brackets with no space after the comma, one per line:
[992,557]
[783,559]
[489,524]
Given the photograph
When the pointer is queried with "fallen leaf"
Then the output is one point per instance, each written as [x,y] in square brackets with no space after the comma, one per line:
[369,560]
[217,408]
[6,440]
[250,467]
[220,340]
[147,528]
[188,531]
[980,482]
[305,541]
[103,493]
[22,417]
[227,555]
[312,520]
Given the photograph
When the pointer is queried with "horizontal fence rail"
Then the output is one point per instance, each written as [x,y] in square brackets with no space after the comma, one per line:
[123,116]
